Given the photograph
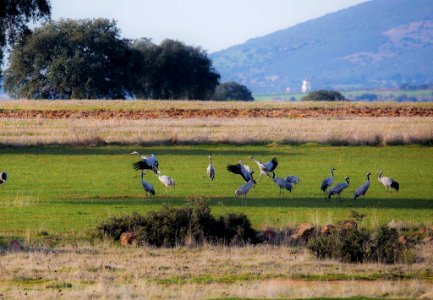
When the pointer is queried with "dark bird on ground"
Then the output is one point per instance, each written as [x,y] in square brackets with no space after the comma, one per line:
[338,188]
[3,177]
[388,182]
[293,179]
[210,170]
[245,188]
[362,190]
[148,188]
[282,184]
[327,182]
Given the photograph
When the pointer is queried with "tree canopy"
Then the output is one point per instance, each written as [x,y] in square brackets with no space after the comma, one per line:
[324,95]
[175,71]
[70,59]
[87,59]
[232,91]
[14,16]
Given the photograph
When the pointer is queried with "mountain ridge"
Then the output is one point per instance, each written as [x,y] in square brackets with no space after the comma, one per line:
[352,48]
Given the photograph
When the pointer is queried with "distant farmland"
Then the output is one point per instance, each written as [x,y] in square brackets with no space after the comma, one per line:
[177,122]
[387,95]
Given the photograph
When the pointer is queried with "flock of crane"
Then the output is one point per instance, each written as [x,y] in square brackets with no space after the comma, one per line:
[151,163]
[267,169]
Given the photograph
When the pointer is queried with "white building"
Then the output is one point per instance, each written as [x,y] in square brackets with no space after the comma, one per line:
[306,86]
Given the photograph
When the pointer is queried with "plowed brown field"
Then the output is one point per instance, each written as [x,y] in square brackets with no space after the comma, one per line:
[220,113]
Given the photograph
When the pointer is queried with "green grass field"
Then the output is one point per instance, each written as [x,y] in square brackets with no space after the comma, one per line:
[68,190]
[383,95]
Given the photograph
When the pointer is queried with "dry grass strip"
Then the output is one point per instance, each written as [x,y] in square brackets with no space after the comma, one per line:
[104,271]
[342,131]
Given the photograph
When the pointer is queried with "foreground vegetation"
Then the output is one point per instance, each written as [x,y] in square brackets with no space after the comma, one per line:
[68,190]
[101,270]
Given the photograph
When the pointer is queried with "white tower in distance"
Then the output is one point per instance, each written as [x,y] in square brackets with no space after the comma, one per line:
[306,86]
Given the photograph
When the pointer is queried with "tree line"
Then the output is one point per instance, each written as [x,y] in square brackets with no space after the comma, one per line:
[88,59]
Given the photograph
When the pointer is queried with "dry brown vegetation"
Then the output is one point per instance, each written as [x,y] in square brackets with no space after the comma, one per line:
[350,131]
[201,273]
[88,122]
[89,105]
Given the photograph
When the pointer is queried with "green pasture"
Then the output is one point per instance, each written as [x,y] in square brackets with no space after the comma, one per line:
[68,190]
[383,95]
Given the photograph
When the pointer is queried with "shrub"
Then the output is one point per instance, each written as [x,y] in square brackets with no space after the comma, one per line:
[324,95]
[388,248]
[170,226]
[234,229]
[232,91]
[115,226]
[355,246]
[345,245]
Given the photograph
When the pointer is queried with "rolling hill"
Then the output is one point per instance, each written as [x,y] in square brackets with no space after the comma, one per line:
[376,44]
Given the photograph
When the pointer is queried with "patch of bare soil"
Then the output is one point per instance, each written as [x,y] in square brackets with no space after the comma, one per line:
[220,113]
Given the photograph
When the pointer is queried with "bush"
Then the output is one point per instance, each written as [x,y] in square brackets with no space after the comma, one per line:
[389,250]
[232,91]
[234,229]
[345,245]
[324,95]
[170,226]
[115,226]
[355,246]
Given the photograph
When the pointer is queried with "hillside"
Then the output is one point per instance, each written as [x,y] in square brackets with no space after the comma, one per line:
[381,43]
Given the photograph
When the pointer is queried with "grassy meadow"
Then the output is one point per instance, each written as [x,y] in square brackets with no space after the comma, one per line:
[66,175]
[68,190]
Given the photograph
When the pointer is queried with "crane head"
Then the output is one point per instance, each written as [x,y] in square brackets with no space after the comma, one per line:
[134,153]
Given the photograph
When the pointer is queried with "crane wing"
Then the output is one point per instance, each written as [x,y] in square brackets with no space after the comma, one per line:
[271,165]
[141,165]
[237,169]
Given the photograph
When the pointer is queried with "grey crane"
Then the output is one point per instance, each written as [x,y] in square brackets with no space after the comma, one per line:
[362,190]
[327,182]
[245,188]
[166,180]
[210,170]
[146,163]
[266,168]
[148,188]
[241,169]
[338,188]
[388,182]
[293,179]
[282,184]
[3,177]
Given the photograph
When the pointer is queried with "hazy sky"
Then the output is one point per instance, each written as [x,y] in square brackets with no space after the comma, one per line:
[214,25]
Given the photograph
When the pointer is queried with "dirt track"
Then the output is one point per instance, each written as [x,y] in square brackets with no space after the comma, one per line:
[219,113]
